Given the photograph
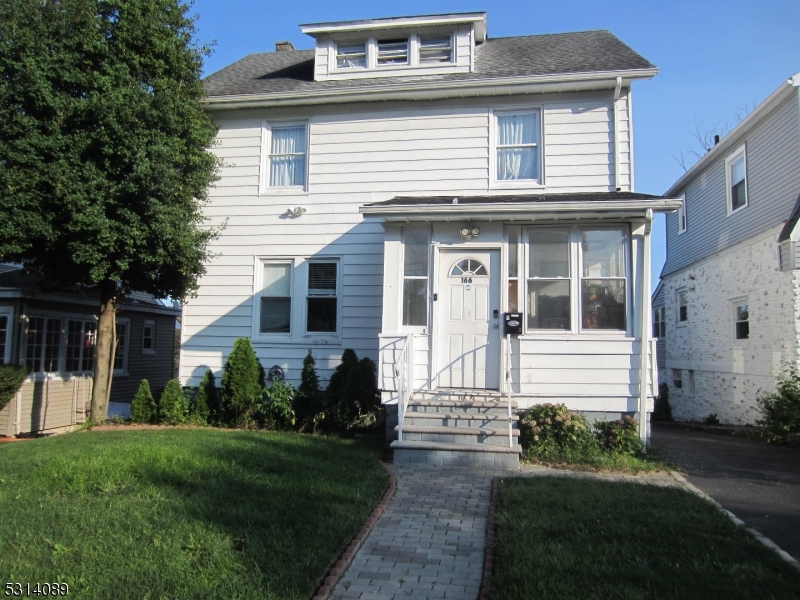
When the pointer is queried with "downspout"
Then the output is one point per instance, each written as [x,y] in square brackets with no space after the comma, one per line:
[645,326]
[617,178]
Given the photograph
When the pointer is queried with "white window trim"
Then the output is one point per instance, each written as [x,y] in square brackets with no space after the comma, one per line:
[682,220]
[298,286]
[258,293]
[678,321]
[494,183]
[740,152]
[152,323]
[344,42]
[575,278]
[123,372]
[8,311]
[266,145]
[66,336]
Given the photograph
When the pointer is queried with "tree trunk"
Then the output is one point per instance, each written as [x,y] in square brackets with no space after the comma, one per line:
[103,367]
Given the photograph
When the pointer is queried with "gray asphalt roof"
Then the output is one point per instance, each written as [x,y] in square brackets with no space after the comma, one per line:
[522,198]
[533,55]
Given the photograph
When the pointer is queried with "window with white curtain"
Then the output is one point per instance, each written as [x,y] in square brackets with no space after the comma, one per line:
[517,142]
[287,156]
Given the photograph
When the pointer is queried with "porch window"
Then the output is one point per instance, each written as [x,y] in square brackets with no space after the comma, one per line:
[121,353]
[5,336]
[322,300]
[81,338]
[513,269]
[43,345]
[415,278]
[603,279]
[549,279]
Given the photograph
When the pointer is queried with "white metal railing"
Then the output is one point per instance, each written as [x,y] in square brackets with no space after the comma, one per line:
[404,374]
[508,389]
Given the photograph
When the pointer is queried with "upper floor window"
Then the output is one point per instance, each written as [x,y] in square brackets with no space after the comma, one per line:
[741,322]
[682,216]
[43,345]
[351,56]
[286,156]
[736,179]
[683,306]
[393,52]
[435,49]
[517,141]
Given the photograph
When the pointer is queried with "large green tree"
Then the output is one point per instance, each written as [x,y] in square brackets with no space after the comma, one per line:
[104,165]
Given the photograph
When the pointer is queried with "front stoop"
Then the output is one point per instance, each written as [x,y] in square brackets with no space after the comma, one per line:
[458,429]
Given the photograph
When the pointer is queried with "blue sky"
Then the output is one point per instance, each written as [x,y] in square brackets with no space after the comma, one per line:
[714,57]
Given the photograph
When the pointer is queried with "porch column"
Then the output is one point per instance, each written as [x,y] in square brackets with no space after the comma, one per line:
[644,304]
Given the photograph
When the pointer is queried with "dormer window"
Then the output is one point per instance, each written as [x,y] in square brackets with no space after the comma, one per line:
[435,49]
[393,52]
[351,56]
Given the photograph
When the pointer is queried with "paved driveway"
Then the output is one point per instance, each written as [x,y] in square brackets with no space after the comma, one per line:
[758,482]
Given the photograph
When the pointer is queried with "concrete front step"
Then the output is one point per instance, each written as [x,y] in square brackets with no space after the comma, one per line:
[458,435]
[451,406]
[441,419]
[451,454]
[458,395]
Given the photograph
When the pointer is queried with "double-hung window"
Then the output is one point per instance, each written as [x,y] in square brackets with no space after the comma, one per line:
[736,180]
[149,337]
[415,278]
[517,143]
[577,279]
[351,55]
[683,306]
[741,321]
[322,300]
[275,302]
[286,156]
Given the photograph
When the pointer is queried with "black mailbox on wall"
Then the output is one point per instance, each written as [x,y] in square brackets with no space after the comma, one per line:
[512,323]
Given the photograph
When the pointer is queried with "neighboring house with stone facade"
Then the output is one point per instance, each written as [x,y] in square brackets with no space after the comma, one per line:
[401,187]
[53,332]
[727,310]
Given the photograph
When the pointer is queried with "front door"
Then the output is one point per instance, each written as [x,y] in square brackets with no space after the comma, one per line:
[468,354]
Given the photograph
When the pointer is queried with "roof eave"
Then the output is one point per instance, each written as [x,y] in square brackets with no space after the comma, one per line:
[521,210]
[478,18]
[733,138]
[429,90]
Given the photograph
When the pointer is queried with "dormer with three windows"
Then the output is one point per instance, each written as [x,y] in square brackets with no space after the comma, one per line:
[427,45]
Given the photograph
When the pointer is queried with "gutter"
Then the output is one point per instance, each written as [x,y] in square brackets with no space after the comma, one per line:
[427,90]
[665,205]
[617,178]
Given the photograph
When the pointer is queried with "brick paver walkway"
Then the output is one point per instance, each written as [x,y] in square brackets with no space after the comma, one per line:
[430,540]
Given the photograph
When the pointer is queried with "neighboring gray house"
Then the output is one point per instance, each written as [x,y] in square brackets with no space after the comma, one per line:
[405,183]
[727,310]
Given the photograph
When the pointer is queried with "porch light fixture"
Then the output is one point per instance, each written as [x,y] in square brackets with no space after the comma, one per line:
[470,232]
[296,211]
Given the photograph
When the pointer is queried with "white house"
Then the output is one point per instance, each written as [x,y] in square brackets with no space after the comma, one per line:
[402,186]
[728,304]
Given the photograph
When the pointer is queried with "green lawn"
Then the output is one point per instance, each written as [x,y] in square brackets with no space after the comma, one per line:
[183,513]
[568,538]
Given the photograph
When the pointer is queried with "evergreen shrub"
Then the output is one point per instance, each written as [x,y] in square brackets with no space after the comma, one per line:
[11,378]
[309,401]
[242,383]
[143,406]
[205,401]
[781,409]
[173,406]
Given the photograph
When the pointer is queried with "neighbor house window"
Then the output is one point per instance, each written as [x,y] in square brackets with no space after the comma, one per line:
[603,292]
[393,52]
[513,269]
[275,302]
[683,306]
[121,352]
[742,322]
[517,141]
[736,179]
[5,335]
[149,337]
[322,299]
[415,278]
[682,215]
[437,49]
[691,382]
[81,339]
[351,56]
[43,345]
[287,155]
[677,378]
[659,322]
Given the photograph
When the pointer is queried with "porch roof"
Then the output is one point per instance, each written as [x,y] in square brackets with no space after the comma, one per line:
[514,207]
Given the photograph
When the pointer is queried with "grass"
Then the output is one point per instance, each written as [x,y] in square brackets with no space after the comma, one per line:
[598,461]
[567,538]
[183,513]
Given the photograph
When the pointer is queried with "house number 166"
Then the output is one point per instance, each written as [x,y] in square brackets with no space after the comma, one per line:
[466,280]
